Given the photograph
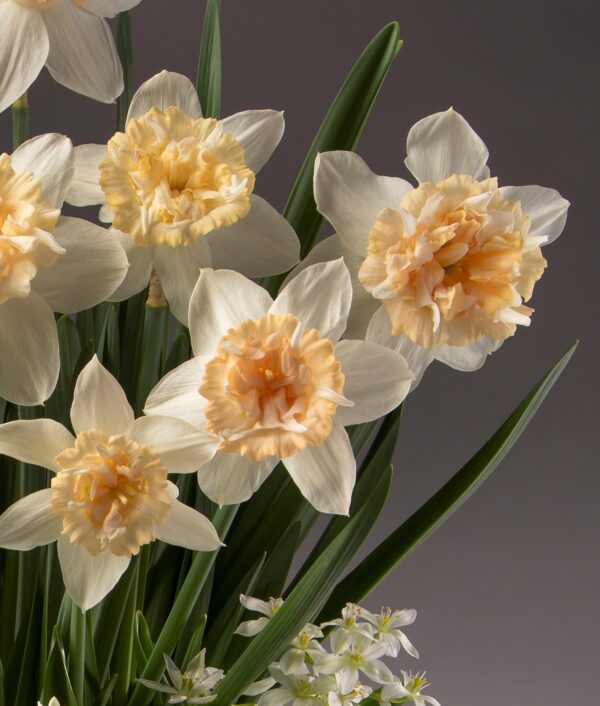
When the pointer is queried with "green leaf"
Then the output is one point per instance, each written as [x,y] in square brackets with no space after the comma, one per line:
[59,404]
[56,681]
[398,545]
[23,665]
[20,121]
[156,321]
[277,567]
[111,349]
[77,652]
[195,644]
[179,353]
[208,82]
[104,698]
[2,695]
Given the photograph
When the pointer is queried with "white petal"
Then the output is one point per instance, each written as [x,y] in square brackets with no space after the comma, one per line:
[320,296]
[109,8]
[27,326]
[99,402]
[88,579]
[260,244]
[443,144]
[546,208]
[85,189]
[230,478]
[250,628]
[221,300]
[259,132]
[162,91]
[50,157]
[276,697]
[23,50]
[350,195]
[178,270]
[181,447]
[30,522]
[467,358]
[82,56]
[188,528]
[176,395]
[140,267]
[373,394]
[326,474]
[92,267]
[35,441]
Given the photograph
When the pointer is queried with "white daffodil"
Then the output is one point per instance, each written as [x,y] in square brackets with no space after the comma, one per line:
[387,624]
[179,189]
[271,381]
[267,609]
[439,271]
[70,37]
[48,263]
[409,689]
[110,494]
[194,686]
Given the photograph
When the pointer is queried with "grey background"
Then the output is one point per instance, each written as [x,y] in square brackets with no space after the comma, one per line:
[507,590]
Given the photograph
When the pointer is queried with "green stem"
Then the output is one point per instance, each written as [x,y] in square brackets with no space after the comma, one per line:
[125,51]
[20,115]
[77,653]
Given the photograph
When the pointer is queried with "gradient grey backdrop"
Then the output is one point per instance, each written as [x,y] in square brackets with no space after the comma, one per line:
[507,590]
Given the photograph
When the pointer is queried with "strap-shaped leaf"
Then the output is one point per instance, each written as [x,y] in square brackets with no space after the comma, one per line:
[208,83]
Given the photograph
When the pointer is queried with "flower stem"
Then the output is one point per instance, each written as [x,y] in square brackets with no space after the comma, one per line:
[77,653]
[20,115]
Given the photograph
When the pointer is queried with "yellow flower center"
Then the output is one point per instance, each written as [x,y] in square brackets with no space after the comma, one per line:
[456,265]
[170,179]
[111,493]
[272,389]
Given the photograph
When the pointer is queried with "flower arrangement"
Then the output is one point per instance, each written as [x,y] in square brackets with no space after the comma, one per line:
[188,385]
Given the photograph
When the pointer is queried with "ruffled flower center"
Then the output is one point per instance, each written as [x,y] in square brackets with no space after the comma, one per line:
[26,226]
[273,388]
[454,263]
[170,179]
[111,493]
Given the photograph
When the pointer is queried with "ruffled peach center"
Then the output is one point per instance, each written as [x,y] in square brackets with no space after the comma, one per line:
[170,179]
[111,493]
[454,263]
[273,388]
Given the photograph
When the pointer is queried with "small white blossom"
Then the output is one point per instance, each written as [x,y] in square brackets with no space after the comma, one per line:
[339,698]
[347,626]
[249,628]
[296,689]
[305,648]
[409,688]
[387,624]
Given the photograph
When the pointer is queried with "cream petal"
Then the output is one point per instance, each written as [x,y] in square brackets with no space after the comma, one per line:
[29,363]
[188,528]
[23,50]
[85,189]
[546,208]
[140,267]
[350,195]
[264,230]
[467,358]
[326,474]
[258,131]
[88,579]
[320,297]
[176,395]
[92,267]
[221,300]
[373,394]
[35,441]
[162,91]
[181,447]
[109,8]
[82,56]
[50,157]
[99,402]
[30,522]
[230,478]
[444,144]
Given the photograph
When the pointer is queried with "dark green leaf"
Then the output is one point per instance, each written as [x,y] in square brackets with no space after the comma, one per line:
[208,83]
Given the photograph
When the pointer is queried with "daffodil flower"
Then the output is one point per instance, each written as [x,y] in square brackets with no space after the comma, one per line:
[179,191]
[110,494]
[409,689]
[48,263]
[271,381]
[70,37]
[440,271]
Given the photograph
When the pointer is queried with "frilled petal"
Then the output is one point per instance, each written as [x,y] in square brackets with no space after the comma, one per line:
[320,297]
[546,208]
[188,528]
[99,402]
[50,157]
[162,91]
[262,243]
[109,8]
[350,195]
[258,131]
[221,300]
[444,144]
[181,447]
[467,358]
[326,474]
[373,394]
[92,267]
[85,189]
[82,56]
[30,522]
[35,441]
[140,267]
[23,50]
[29,363]
[230,478]
[88,579]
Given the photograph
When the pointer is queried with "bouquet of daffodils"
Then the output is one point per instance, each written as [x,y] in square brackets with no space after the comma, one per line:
[191,383]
